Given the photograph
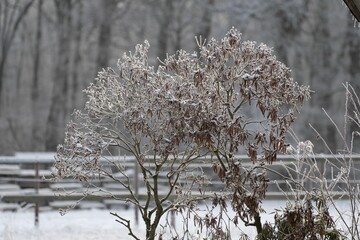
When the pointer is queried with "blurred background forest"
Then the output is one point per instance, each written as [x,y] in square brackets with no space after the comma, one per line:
[50,50]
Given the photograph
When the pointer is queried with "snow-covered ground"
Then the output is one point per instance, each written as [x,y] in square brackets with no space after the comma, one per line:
[81,225]
[86,224]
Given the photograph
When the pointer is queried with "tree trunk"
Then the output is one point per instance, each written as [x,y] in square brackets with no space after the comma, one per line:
[164,29]
[76,71]
[11,22]
[104,40]
[205,23]
[57,115]
[37,138]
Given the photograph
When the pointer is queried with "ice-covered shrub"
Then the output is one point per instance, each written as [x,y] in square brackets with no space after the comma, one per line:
[231,96]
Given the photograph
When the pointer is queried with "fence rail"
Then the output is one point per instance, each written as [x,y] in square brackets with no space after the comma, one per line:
[22,178]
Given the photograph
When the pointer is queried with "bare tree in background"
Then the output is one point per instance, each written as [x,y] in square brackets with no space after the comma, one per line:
[204,28]
[36,90]
[289,16]
[166,8]
[112,12]
[12,13]
[77,66]
[58,109]
[109,9]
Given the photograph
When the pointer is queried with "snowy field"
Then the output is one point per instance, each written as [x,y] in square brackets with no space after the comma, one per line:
[87,224]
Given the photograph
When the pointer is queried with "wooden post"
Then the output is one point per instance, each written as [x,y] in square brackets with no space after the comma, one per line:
[37,185]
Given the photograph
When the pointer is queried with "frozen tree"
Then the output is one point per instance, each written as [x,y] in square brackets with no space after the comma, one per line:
[194,104]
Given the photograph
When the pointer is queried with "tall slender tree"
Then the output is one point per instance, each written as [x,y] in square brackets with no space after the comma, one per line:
[35,89]
[105,32]
[77,59]
[164,21]
[204,28]
[12,13]
[58,109]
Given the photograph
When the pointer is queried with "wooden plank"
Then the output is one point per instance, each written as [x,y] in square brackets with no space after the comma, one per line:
[8,187]
[115,204]
[9,169]
[66,186]
[75,197]
[9,206]
[32,198]
[63,204]
[75,204]
[31,173]
[91,205]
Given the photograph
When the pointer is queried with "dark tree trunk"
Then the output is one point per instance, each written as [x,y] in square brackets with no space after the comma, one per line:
[58,109]
[206,19]
[104,40]
[12,14]
[37,141]
[164,29]
[76,91]
[289,24]
[9,24]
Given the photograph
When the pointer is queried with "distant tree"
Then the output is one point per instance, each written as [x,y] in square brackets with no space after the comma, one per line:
[59,101]
[12,13]
[204,28]
[77,59]
[167,9]
[112,12]
[109,9]
[35,88]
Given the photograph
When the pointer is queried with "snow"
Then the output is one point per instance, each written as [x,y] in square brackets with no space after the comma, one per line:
[77,224]
[91,224]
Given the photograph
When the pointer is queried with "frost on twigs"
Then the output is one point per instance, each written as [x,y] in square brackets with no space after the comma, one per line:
[193,104]
[199,98]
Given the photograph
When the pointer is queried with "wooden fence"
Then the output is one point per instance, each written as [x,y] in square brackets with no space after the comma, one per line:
[25,178]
